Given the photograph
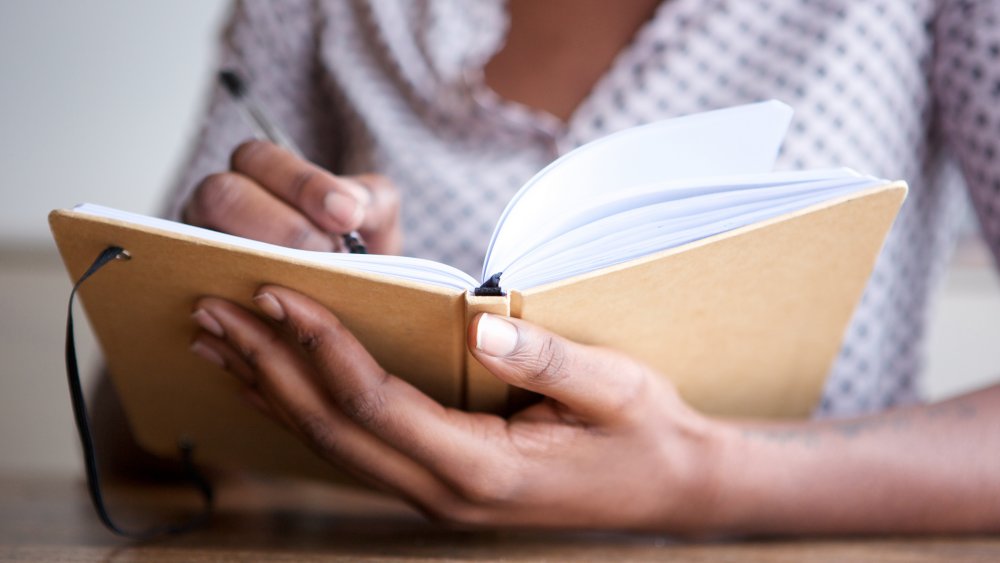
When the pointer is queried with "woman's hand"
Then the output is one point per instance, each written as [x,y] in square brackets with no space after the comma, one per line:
[274,196]
[611,446]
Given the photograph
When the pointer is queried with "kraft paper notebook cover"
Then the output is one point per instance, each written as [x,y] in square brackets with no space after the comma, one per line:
[745,321]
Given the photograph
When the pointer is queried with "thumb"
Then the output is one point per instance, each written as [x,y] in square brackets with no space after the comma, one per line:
[593,382]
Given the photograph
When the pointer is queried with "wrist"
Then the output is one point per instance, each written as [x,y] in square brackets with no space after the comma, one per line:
[732,483]
[758,477]
[734,461]
[725,460]
[696,487]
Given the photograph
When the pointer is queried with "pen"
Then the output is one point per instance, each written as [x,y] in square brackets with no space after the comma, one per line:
[264,128]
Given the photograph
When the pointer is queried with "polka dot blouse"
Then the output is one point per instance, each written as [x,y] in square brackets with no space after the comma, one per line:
[904,89]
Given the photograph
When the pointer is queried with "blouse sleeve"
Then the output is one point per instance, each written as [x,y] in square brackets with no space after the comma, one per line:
[966,81]
[273,45]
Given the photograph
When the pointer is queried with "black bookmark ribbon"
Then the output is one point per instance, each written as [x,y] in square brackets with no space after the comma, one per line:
[490,287]
[87,440]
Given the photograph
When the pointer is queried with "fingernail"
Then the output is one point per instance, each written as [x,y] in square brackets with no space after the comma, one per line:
[270,306]
[208,354]
[344,209]
[208,322]
[359,191]
[495,336]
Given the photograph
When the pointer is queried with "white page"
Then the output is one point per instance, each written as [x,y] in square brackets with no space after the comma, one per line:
[739,140]
[658,193]
[413,269]
[641,238]
[645,231]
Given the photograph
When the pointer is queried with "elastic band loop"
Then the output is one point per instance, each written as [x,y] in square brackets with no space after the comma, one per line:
[87,440]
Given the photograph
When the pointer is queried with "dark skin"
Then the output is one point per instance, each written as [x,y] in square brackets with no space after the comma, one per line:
[557,50]
[612,445]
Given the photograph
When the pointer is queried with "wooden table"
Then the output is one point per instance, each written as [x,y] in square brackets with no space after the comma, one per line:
[52,520]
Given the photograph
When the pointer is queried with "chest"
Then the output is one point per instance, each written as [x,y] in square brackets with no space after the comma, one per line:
[556,51]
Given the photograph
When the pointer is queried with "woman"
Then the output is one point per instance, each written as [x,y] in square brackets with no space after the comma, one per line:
[430,114]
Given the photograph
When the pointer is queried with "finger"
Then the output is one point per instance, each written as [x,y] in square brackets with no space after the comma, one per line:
[450,443]
[257,401]
[234,204]
[284,381]
[215,350]
[210,346]
[380,228]
[334,204]
[595,384]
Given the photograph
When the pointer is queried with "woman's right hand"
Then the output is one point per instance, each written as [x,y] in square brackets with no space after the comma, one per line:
[271,195]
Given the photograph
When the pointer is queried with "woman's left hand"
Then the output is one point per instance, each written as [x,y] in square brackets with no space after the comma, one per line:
[610,446]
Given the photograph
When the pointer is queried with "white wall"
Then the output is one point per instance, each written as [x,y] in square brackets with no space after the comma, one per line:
[97,101]
[963,339]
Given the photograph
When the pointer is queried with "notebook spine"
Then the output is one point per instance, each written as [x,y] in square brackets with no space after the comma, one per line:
[482,391]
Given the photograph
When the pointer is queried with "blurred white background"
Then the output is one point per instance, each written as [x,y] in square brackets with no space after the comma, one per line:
[98,103]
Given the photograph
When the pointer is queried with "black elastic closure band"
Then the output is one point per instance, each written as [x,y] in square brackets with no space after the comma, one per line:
[87,439]
[490,287]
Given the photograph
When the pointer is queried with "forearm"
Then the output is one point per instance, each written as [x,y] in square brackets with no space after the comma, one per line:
[931,468]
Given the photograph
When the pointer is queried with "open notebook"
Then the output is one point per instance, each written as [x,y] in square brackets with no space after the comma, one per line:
[611,201]
[672,242]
